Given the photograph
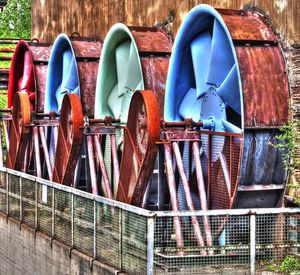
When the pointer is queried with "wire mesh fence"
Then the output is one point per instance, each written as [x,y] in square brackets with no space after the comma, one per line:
[137,241]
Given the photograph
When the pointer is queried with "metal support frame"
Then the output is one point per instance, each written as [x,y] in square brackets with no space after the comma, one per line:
[95,231]
[7,195]
[120,239]
[252,242]
[53,213]
[1,149]
[5,128]
[37,152]
[21,201]
[72,220]
[150,244]
[90,149]
[36,205]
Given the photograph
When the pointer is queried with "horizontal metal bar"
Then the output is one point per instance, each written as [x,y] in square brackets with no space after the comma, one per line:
[264,187]
[273,127]
[230,212]
[156,54]
[7,50]
[248,42]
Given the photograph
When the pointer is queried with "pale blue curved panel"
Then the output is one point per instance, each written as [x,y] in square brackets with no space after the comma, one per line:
[203,60]
[62,74]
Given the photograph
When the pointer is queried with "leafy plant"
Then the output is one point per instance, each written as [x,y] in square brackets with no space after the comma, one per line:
[289,144]
[15,19]
[288,265]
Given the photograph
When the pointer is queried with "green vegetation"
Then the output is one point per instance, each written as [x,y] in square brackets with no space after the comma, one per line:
[289,146]
[289,265]
[15,20]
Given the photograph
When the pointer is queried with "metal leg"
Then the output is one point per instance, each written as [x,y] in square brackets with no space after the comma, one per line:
[6,134]
[37,153]
[115,160]
[225,173]
[46,153]
[188,195]
[90,148]
[107,186]
[1,150]
[174,202]
[202,192]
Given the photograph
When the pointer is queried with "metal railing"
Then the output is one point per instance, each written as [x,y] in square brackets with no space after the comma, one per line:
[138,241]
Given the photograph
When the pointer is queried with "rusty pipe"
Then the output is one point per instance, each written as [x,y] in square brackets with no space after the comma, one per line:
[9,110]
[173,196]
[105,179]
[225,173]
[187,123]
[202,192]
[90,149]
[37,153]
[115,160]
[5,129]
[1,150]
[188,195]
[107,120]
[51,114]
[27,155]
[46,153]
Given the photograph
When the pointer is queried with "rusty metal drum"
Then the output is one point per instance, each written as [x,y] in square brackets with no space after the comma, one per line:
[28,72]
[133,58]
[227,70]
[73,67]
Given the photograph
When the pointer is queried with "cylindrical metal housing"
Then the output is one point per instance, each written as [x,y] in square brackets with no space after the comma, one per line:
[28,72]
[73,67]
[227,66]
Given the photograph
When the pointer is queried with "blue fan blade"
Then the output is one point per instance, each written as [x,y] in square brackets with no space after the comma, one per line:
[134,77]
[67,58]
[229,91]
[231,128]
[190,106]
[221,59]
[114,102]
[72,78]
[200,50]
[60,92]
[122,56]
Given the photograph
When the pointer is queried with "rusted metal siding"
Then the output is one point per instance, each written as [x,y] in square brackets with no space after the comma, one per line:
[266,97]
[87,55]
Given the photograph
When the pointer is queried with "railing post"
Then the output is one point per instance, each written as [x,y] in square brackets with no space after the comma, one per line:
[95,231]
[72,220]
[120,239]
[36,205]
[7,195]
[21,204]
[53,212]
[150,244]
[252,242]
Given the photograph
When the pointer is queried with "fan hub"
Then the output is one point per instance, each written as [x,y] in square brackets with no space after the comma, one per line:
[213,111]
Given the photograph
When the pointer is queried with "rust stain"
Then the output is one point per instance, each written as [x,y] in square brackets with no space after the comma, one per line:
[265,86]
[87,54]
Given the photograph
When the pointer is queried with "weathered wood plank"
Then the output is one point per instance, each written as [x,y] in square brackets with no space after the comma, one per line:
[92,17]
